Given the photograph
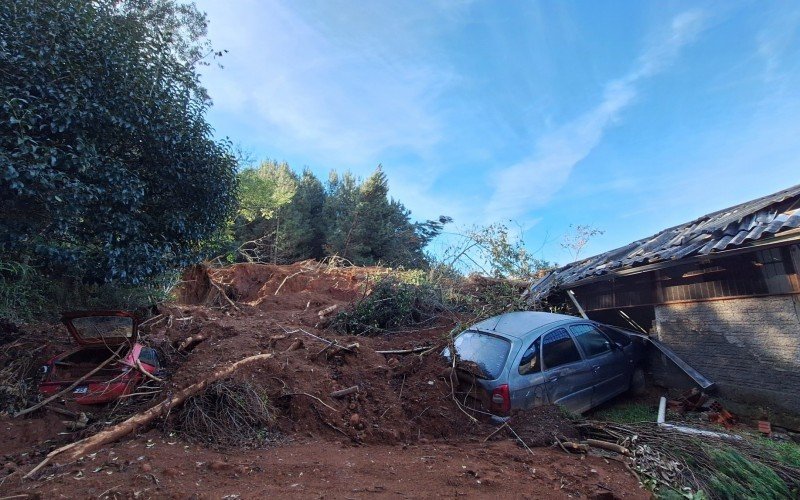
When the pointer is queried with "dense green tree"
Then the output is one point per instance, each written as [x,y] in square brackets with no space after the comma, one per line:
[370,236]
[263,190]
[340,212]
[366,227]
[284,218]
[303,234]
[108,168]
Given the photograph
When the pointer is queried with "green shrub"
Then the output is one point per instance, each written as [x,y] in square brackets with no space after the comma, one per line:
[21,292]
[390,304]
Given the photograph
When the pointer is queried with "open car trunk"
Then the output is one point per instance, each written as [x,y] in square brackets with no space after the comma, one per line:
[75,365]
[101,328]
[99,335]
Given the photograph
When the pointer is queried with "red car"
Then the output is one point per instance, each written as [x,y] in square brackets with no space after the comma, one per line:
[99,334]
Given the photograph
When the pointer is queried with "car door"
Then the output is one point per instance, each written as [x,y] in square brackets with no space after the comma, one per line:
[608,362]
[526,379]
[568,377]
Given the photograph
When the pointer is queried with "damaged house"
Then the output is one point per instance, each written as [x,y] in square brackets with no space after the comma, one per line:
[722,291]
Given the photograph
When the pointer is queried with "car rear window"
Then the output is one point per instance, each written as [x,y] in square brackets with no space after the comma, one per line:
[487,351]
[96,327]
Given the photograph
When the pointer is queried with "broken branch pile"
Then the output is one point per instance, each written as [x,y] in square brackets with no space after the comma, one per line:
[390,304]
[75,450]
[721,468]
[227,413]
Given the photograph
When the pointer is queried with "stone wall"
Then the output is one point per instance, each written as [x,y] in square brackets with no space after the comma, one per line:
[749,347]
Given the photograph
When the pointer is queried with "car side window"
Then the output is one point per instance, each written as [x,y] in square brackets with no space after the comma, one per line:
[591,340]
[530,360]
[615,335]
[558,349]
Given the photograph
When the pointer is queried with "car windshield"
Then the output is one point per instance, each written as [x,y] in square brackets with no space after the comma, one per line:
[96,327]
[486,351]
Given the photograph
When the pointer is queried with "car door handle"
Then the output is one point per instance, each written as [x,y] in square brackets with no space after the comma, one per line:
[552,379]
[595,368]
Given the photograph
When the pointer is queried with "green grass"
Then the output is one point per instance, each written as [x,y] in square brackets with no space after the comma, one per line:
[625,413]
[786,452]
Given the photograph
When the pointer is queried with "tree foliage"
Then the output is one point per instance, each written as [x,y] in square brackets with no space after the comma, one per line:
[108,169]
[303,233]
[285,217]
[263,190]
[578,237]
[495,251]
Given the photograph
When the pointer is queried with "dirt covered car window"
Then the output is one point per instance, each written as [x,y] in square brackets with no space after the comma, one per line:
[103,326]
[486,351]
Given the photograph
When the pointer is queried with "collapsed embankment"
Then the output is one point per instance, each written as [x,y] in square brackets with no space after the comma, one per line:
[226,315]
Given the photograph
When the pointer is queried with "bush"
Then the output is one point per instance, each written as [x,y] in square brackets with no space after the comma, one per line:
[21,297]
[391,303]
[108,167]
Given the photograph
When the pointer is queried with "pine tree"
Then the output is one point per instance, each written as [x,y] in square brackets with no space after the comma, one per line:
[340,212]
[303,234]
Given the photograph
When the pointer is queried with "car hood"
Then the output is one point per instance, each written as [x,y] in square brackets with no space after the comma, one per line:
[110,328]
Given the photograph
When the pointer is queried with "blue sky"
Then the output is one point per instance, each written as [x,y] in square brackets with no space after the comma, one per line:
[628,116]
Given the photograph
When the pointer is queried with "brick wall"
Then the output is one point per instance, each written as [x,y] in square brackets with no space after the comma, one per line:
[749,347]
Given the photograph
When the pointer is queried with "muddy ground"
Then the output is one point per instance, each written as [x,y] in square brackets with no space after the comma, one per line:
[400,434]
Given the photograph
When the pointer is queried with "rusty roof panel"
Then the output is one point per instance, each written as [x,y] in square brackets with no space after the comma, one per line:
[722,230]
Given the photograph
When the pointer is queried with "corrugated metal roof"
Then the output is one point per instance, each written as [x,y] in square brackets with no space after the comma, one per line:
[723,230]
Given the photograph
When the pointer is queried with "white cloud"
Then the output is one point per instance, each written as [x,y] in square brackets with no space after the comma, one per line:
[775,41]
[534,181]
[313,77]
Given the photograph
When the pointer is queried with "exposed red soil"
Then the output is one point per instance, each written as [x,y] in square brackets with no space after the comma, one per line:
[401,433]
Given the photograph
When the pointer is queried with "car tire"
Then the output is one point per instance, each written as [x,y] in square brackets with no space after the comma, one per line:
[638,382]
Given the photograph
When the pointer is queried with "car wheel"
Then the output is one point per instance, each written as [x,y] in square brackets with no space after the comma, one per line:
[638,382]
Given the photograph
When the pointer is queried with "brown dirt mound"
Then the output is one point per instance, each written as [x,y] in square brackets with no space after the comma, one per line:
[401,399]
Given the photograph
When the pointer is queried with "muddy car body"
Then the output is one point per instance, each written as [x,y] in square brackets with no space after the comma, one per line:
[524,359]
[99,334]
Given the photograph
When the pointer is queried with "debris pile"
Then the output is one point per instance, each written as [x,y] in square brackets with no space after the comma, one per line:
[665,457]
[307,383]
[251,356]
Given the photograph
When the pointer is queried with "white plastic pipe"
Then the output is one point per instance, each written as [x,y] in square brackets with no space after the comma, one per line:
[662,412]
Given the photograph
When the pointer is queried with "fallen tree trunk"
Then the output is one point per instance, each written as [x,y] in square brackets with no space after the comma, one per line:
[405,351]
[605,445]
[85,446]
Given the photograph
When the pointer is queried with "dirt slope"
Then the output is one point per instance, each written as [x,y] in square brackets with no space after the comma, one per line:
[401,433]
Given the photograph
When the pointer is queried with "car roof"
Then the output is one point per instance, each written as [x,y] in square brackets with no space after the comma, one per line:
[519,324]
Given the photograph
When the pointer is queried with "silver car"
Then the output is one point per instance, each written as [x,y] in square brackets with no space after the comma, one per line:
[523,359]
